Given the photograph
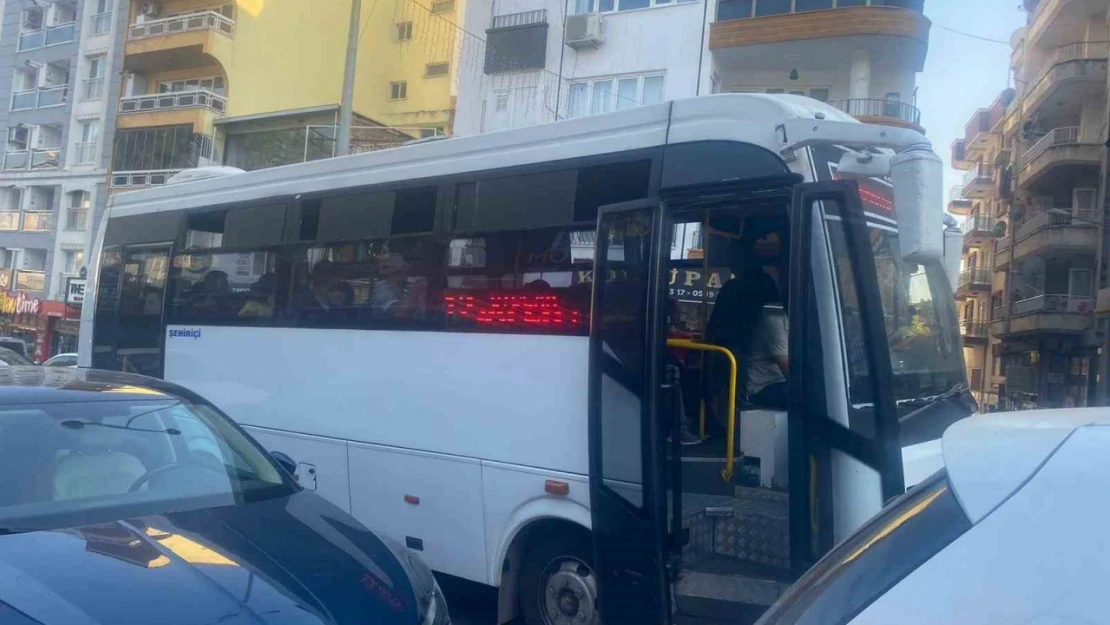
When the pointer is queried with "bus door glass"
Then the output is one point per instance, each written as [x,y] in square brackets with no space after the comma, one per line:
[845,453]
[626,491]
[130,303]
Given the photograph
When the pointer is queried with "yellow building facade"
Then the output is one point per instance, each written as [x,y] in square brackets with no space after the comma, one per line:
[257,83]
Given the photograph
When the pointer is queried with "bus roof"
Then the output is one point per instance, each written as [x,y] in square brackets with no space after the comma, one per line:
[749,118]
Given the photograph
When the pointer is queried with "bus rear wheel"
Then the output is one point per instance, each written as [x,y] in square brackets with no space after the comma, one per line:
[558,584]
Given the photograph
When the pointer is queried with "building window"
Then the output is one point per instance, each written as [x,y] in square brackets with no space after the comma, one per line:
[398,90]
[427,133]
[609,6]
[77,214]
[73,261]
[501,101]
[435,70]
[601,95]
[215,84]
[443,6]
[404,31]
[88,142]
[102,17]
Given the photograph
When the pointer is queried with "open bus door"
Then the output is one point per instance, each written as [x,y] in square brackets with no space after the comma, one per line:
[667,541]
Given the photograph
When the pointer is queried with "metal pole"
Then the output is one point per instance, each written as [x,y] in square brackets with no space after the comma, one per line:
[343,137]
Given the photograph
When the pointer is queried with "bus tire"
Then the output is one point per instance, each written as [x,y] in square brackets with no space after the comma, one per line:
[558,582]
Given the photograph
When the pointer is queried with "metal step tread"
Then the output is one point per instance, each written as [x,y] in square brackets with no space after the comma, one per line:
[758,501]
[722,578]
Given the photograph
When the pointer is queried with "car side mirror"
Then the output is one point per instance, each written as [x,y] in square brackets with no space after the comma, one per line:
[285,461]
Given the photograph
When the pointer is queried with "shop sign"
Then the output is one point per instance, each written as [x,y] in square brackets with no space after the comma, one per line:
[75,291]
[18,303]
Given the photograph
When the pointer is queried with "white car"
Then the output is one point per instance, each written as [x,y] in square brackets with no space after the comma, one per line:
[62,360]
[1013,530]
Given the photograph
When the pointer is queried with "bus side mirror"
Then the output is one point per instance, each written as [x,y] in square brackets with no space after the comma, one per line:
[285,462]
[917,174]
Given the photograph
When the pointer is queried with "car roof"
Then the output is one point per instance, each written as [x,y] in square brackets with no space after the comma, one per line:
[989,457]
[45,385]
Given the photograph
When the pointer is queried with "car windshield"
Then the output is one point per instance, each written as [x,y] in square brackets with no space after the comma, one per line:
[12,359]
[76,463]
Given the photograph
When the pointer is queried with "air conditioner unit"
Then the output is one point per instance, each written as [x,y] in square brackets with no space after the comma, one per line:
[583,31]
[19,134]
[149,9]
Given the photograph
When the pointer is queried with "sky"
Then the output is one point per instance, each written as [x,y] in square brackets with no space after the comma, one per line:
[963,74]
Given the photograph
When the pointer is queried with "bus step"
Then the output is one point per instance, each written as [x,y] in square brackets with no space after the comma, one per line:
[751,527]
[721,587]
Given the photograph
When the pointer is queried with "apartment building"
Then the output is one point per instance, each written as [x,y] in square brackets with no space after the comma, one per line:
[548,59]
[55,85]
[222,84]
[1033,162]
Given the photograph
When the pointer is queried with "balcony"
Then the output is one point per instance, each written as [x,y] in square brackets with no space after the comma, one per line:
[973,331]
[1052,313]
[958,205]
[86,152]
[1076,71]
[190,22]
[1056,231]
[173,101]
[517,42]
[959,155]
[885,112]
[978,181]
[92,89]
[52,36]
[1002,252]
[977,227]
[1062,149]
[41,97]
[180,42]
[140,179]
[9,220]
[33,160]
[30,280]
[38,221]
[972,280]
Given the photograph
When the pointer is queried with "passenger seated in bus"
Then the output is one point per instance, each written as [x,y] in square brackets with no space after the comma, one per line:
[392,296]
[327,290]
[260,298]
[211,296]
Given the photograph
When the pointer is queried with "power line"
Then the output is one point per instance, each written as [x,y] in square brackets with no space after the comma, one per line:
[973,36]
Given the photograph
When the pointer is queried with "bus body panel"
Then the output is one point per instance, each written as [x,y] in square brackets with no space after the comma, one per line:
[515,496]
[394,388]
[444,525]
[329,477]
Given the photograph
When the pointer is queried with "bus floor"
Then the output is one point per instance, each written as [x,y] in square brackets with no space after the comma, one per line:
[736,557]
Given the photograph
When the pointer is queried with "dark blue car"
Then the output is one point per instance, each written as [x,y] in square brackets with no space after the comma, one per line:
[129,500]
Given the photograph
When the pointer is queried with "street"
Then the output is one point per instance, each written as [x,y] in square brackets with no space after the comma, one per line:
[469,603]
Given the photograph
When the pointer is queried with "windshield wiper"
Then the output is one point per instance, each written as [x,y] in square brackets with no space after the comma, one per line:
[957,389]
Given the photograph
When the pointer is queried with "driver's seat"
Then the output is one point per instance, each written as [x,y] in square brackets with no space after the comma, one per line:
[85,475]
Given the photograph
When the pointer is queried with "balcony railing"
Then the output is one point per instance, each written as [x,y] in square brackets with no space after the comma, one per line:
[31,40]
[976,223]
[880,108]
[102,23]
[1070,135]
[173,101]
[973,329]
[1057,71]
[1060,218]
[30,280]
[37,221]
[39,98]
[980,173]
[86,152]
[201,20]
[980,277]
[1054,304]
[62,33]
[92,89]
[33,159]
[744,9]
[144,178]
[525,18]
[77,219]
[9,220]
[956,192]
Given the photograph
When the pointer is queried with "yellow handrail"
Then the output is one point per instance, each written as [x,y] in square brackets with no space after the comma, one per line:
[728,471]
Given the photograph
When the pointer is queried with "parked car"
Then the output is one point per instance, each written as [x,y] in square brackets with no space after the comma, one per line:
[1012,530]
[68,359]
[9,358]
[130,500]
[17,345]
